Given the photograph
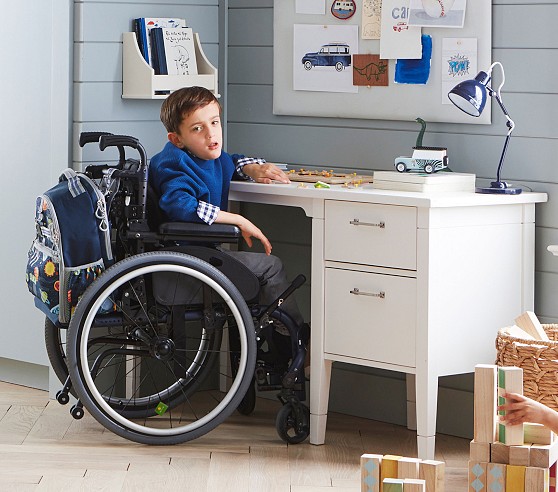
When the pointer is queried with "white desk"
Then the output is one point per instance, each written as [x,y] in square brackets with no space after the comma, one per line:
[409,282]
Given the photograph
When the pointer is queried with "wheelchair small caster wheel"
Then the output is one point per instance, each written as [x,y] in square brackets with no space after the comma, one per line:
[62,397]
[77,412]
[293,423]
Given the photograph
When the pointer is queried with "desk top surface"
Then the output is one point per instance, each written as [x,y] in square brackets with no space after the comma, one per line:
[293,194]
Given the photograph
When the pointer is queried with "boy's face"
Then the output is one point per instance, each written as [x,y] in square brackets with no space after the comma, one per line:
[201,133]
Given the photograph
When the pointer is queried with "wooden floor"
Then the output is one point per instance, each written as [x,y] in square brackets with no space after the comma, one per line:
[42,448]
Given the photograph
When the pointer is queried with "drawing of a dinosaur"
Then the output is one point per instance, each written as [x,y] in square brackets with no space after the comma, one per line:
[373,70]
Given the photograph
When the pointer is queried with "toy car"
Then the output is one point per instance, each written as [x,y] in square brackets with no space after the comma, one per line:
[336,55]
[424,159]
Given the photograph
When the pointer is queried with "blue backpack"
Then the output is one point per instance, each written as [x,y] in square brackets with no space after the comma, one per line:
[72,246]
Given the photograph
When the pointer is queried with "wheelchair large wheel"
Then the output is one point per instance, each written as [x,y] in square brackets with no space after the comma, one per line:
[150,344]
[55,343]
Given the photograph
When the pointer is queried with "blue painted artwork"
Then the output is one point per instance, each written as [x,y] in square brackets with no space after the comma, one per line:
[415,71]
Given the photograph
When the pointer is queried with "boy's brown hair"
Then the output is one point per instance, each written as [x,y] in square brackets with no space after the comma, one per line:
[181,103]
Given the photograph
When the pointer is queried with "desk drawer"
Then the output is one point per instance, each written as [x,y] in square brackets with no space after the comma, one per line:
[371,234]
[366,327]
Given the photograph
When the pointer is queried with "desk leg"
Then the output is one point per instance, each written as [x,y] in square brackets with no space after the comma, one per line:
[319,398]
[427,405]
[320,368]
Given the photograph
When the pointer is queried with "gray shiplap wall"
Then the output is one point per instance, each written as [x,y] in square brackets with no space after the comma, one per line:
[98,105]
[530,58]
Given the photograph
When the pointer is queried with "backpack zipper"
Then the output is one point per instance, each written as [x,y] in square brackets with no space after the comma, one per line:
[57,243]
[101,214]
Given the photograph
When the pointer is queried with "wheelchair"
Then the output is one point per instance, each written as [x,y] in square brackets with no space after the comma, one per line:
[170,340]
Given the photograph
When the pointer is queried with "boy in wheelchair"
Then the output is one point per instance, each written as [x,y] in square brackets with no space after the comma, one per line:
[191,178]
[175,335]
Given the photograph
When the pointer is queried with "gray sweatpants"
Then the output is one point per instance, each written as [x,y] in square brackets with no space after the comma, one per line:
[273,279]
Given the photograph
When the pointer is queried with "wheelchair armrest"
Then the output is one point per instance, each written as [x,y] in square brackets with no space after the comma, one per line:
[200,233]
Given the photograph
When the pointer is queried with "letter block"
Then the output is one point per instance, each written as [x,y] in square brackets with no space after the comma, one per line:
[485,414]
[370,472]
[519,455]
[433,473]
[544,456]
[495,477]
[414,485]
[510,379]
[515,478]
[479,451]
[408,468]
[389,468]
[392,485]
[536,479]
[477,476]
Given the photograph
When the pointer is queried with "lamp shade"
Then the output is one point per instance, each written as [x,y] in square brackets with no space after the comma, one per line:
[470,95]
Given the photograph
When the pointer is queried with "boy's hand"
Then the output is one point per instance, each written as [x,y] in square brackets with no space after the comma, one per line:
[249,231]
[265,173]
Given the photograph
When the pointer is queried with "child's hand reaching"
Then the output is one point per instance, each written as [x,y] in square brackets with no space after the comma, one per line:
[265,173]
[520,409]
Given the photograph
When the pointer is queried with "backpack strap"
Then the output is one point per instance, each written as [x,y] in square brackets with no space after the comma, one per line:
[74,184]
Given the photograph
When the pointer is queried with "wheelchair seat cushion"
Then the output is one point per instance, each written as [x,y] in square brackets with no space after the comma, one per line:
[243,279]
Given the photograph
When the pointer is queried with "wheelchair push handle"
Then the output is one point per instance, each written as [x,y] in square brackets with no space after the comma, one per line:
[94,137]
[90,137]
[123,141]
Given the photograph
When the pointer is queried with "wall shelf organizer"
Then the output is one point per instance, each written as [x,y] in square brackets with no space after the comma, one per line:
[140,82]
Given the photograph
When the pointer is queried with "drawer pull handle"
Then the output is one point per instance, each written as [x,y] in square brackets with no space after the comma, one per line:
[357,222]
[356,291]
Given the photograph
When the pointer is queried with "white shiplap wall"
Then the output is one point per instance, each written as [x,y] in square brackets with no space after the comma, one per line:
[524,40]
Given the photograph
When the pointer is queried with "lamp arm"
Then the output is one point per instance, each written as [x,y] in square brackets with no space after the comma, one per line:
[509,123]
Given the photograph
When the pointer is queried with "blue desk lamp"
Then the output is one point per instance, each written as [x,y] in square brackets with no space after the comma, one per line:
[470,97]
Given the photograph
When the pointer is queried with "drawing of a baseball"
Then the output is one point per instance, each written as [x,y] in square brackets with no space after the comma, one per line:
[437,8]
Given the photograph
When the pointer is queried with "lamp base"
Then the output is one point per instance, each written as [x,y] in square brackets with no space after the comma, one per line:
[499,188]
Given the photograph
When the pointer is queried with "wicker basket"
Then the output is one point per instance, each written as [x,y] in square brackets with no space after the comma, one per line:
[539,361]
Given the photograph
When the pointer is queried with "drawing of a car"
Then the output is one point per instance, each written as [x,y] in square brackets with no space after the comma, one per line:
[401,26]
[336,55]
[424,159]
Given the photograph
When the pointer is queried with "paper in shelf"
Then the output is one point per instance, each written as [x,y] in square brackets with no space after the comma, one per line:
[176,51]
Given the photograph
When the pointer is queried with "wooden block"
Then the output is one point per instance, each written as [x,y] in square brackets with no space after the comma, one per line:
[479,451]
[476,476]
[516,331]
[529,322]
[543,456]
[433,473]
[495,477]
[552,480]
[392,485]
[370,472]
[515,478]
[485,414]
[510,379]
[414,485]
[408,468]
[519,455]
[536,479]
[499,453]
[388,468]
[537,434]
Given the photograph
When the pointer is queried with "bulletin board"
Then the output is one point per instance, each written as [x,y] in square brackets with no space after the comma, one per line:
[403,102]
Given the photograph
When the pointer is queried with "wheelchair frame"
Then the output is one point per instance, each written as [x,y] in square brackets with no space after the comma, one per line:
[165,344]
